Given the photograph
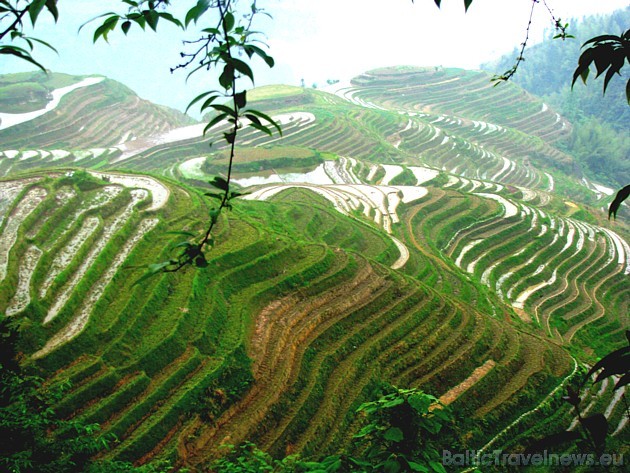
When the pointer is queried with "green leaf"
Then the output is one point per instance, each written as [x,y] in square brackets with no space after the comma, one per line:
[243,68]
[208,102]
[152,17]
[599,39]
[623,193]
[125,26]
[171,18]
[196,12]
[155,267]
[391,466]
[223,108]
[197,99]
[230,137]
[612,358]
[615,67]
[214,121]
[267,118]
[180,232]
[152,270]
[251,49]
[49,46]
[228,21]
[623,381]
[219,183]
[420,403]
[183,244]
[234,194]
[34,9]
[21,54]
[240,99]
[394,434]
[214,195]
[467,4]
[417,467]
[226,79]
[255,123]
[393,403]
[51,5]
[108,25]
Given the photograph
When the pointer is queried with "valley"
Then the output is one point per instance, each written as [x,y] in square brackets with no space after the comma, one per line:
[415,226]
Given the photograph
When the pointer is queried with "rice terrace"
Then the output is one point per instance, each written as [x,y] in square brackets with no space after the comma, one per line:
[417,227]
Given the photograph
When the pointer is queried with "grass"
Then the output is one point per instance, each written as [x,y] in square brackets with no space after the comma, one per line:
[298,312]
[273,92]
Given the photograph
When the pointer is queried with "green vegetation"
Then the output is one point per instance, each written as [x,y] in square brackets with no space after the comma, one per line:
[261,160]
[299,318]
[599,141]
[157,361]
[29,91]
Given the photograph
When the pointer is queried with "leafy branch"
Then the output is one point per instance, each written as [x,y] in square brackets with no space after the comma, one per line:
[561,33]
[594,428]
[218,49]
[12,15]
[609,53]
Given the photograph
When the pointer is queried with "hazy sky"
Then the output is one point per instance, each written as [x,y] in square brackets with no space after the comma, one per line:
[312,40]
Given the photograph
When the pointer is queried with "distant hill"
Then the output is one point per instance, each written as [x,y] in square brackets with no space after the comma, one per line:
[100,115]
[600,141]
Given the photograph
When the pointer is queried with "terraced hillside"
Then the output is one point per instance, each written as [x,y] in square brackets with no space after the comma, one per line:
[386,238]
[386,116]
[252,347]
[86,123]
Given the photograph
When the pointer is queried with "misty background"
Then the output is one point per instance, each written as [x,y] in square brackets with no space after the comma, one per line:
[312,41]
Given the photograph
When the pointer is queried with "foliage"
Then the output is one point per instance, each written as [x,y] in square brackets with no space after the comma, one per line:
[13,13]
[402,432]
[34,439]
[594,428]
[247,458]
[400,436]
[609,53]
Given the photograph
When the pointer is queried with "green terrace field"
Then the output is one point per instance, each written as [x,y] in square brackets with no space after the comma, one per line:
[251,347]
[385,116]
[415,226]
[84,128]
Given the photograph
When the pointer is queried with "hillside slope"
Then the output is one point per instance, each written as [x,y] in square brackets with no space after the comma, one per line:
[75,120]
[418,238]
[166,365]
[599,140]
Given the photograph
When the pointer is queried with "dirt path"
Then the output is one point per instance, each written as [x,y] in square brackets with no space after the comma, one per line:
[159,192]
[452,394]
[109,231]
[284,331]
[10,119]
